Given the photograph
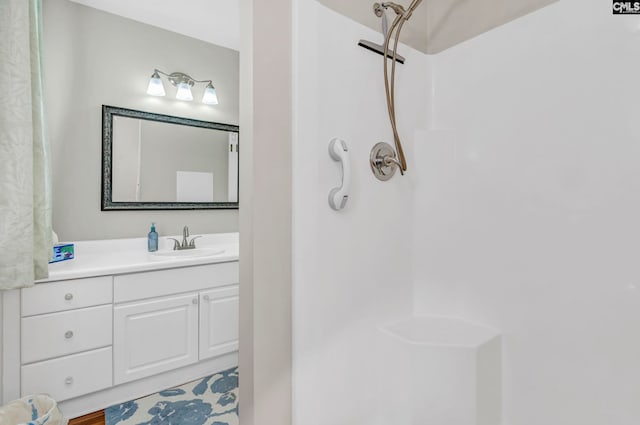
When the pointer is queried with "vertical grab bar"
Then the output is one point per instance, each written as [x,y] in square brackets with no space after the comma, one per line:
[339,196]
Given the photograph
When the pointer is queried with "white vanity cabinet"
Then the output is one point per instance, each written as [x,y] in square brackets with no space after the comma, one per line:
[157,329]
[92,342]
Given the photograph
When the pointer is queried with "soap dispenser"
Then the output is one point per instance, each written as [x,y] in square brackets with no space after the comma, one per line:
[152,241]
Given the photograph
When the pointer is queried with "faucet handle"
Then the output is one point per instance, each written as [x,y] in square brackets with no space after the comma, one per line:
[192,244]
[185,231]
[176,244]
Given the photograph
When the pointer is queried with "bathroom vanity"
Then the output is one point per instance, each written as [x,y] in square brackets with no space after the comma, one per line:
[119,323]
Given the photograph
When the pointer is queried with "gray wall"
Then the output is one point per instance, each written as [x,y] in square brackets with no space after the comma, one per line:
[165,149]
[175,148]
[93,58]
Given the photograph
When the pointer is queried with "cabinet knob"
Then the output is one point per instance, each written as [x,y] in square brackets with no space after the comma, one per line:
[68,334]
[68,297]
[206,297]
[69,380]
[194,301]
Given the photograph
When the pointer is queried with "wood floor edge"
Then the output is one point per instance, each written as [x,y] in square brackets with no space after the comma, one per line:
[95,418]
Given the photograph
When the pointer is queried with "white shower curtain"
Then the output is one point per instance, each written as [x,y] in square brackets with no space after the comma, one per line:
[25,194]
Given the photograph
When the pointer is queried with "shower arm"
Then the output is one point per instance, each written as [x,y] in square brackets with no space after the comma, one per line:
[400,10]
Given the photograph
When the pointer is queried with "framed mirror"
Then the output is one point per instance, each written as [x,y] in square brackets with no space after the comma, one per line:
[161,162]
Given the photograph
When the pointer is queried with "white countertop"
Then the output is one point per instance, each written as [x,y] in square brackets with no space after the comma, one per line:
[117,256]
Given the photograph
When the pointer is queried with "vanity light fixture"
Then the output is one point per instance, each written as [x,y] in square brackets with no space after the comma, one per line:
[184,91]
[183,83]
[210,97]
[156,88]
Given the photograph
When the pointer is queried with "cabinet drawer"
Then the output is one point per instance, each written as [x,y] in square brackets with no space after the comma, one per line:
[70,376]
[58,334]
[60,296]
[138,286]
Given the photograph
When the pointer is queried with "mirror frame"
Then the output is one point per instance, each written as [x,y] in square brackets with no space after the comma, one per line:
[108,112]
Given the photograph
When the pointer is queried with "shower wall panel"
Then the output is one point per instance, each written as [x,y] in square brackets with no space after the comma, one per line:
[353,268]
[527,209]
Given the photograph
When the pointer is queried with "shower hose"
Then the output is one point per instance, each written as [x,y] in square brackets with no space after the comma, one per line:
[402,16]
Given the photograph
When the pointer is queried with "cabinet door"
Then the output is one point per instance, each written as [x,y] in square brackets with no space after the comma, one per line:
[154,336]
[218,321]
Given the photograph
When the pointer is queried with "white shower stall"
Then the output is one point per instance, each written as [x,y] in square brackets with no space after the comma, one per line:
[498,281]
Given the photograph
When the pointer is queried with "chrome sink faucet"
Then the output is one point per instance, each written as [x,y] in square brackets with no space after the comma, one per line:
[185,244]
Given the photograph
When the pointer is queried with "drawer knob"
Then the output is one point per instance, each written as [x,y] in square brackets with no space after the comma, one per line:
[68,334]
[206,298]
[194,301]
[68,297]
[69,380]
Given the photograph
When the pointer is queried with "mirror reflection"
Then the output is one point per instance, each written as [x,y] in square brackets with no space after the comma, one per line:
[153,161]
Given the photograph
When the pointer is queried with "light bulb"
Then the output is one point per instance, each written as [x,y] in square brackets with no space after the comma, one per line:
[210,97]
[156,88]
[184,91]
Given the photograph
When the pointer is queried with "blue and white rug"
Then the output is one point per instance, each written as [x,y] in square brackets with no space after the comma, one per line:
[209,401]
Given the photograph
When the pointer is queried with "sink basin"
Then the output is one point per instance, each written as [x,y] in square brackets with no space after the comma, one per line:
[188,253]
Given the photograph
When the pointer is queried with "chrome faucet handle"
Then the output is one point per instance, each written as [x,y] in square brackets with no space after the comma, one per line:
[388,160]
[383,161]
[192,244]
[176,244]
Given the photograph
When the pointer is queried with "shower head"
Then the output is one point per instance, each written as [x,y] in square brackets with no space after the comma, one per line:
[385,24]
[379,10]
